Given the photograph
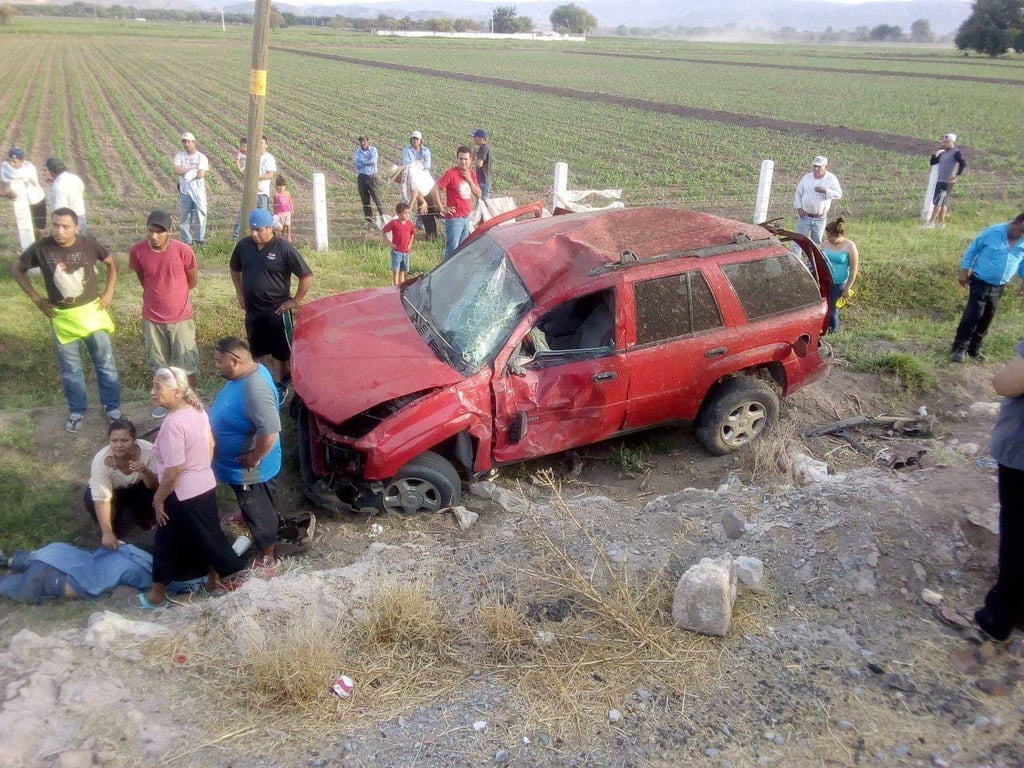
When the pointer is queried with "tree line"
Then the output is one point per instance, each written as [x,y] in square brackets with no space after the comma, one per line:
[504,18]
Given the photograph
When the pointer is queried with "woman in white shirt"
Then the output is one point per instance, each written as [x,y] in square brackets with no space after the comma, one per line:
[19,170]
[121,484]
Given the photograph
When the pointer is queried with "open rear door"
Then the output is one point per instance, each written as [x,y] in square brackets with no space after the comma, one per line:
[813,258]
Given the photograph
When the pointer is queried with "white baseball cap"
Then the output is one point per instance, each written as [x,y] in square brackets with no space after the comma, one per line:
[416,135]
[820,160]
[950,137]
[186,136]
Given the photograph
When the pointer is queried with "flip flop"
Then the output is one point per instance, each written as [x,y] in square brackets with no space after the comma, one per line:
[148,606]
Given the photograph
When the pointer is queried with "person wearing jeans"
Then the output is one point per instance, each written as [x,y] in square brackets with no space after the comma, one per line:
[76,309]
[72,375]
[460,187]
[813,198]
[988,265]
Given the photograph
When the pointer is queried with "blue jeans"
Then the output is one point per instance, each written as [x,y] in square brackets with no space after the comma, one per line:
[263,201]
[815,227]
[833,310]
[189,209]
[455,231]
[485,190]
[69,357]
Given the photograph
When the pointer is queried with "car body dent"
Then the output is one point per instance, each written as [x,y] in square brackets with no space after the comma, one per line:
[357,350]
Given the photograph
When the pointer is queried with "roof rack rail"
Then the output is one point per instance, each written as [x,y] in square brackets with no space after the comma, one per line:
[742,242]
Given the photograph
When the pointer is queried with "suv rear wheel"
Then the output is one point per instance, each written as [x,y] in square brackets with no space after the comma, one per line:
[428,483]
[737,413]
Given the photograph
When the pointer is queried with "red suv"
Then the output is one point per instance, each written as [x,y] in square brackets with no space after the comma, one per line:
[545,335]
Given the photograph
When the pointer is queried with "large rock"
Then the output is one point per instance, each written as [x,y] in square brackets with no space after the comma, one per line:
[110,630]
[705,596]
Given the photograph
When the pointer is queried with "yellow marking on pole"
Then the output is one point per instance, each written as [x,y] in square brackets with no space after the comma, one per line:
[258,85]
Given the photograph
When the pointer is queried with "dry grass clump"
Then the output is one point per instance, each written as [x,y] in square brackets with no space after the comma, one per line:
[570,634]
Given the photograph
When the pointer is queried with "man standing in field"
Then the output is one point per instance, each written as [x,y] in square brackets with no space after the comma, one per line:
[66,191]
[460,187]
[167,270]
[417,152]
[246,426]
[951,167]
[813,198]
[988,265]
[268,170]
[76,309]
[191,167]
[262,266]
[482,162]
[364,160]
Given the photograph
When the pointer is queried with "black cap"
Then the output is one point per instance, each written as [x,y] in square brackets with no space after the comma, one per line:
[159,219]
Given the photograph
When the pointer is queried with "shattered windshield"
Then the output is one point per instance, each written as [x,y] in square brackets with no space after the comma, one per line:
[467,307]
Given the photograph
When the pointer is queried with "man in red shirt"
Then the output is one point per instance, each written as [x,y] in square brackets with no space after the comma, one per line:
[460,187]
[167,270]
[402,232]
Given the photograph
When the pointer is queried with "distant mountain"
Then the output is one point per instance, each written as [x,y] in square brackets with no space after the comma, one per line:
[944,16]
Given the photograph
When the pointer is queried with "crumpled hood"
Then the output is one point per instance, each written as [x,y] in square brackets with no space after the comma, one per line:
[356,350]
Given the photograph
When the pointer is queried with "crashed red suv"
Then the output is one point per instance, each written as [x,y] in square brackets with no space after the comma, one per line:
[545,335]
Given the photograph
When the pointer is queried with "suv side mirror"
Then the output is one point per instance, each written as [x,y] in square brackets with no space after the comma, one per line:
[518,431]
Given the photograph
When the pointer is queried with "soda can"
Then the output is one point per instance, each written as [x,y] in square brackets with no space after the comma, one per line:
[343,686]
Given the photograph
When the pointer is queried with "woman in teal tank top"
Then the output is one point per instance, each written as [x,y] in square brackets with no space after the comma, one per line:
[844,263]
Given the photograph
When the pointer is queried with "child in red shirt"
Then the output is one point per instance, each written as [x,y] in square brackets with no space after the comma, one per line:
[402,231]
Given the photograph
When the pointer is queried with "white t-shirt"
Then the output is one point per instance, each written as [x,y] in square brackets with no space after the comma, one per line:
[267,165]
[67,191]
[27,174]
[189,182]
[105,477]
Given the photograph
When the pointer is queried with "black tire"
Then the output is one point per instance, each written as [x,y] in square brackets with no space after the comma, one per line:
[736,414]
[428,483]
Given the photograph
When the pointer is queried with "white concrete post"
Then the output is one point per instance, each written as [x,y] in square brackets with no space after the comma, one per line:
[764,191]
[926,207]
[320,210]
[561,185]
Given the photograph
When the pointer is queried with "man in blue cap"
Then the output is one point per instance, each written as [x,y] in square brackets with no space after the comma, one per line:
[262,266]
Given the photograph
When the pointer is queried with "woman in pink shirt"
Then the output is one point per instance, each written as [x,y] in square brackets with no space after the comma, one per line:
[188,530]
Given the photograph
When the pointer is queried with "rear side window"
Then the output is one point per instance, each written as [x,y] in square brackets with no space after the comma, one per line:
[677,305]
[772,286]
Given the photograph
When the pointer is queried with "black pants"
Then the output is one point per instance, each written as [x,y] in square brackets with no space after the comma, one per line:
[368,190]
[259,510]
[131,508]
[191,540]
[1005,601]
[39,215]
[981,308]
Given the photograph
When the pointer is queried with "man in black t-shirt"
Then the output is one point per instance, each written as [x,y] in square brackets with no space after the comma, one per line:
[76,309]
[482,162]
[262,266]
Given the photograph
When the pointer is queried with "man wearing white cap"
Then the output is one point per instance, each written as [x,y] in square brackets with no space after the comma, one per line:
[814,196]
[951,167]
[191,166]
[416,152]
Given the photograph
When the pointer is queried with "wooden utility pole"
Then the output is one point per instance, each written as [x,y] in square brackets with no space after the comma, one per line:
[257,105]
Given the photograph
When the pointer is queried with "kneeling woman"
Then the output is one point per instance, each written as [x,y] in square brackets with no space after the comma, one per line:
[185,502]
[121,484]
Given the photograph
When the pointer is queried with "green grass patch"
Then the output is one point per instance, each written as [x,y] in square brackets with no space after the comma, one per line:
[38,507]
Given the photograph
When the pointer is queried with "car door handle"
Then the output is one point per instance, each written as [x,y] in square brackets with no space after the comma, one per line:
[606,376]
[716,352]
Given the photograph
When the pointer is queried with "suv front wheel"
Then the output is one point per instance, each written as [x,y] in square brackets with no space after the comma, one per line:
[735,414]
[428,483]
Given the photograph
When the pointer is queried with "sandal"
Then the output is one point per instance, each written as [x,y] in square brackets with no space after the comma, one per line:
[148,606]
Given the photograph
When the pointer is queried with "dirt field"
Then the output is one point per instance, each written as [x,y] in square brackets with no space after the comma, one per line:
[838,662]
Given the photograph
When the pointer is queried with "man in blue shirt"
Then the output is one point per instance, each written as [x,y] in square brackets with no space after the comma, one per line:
[987,266]
[246,425]
[365,161]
